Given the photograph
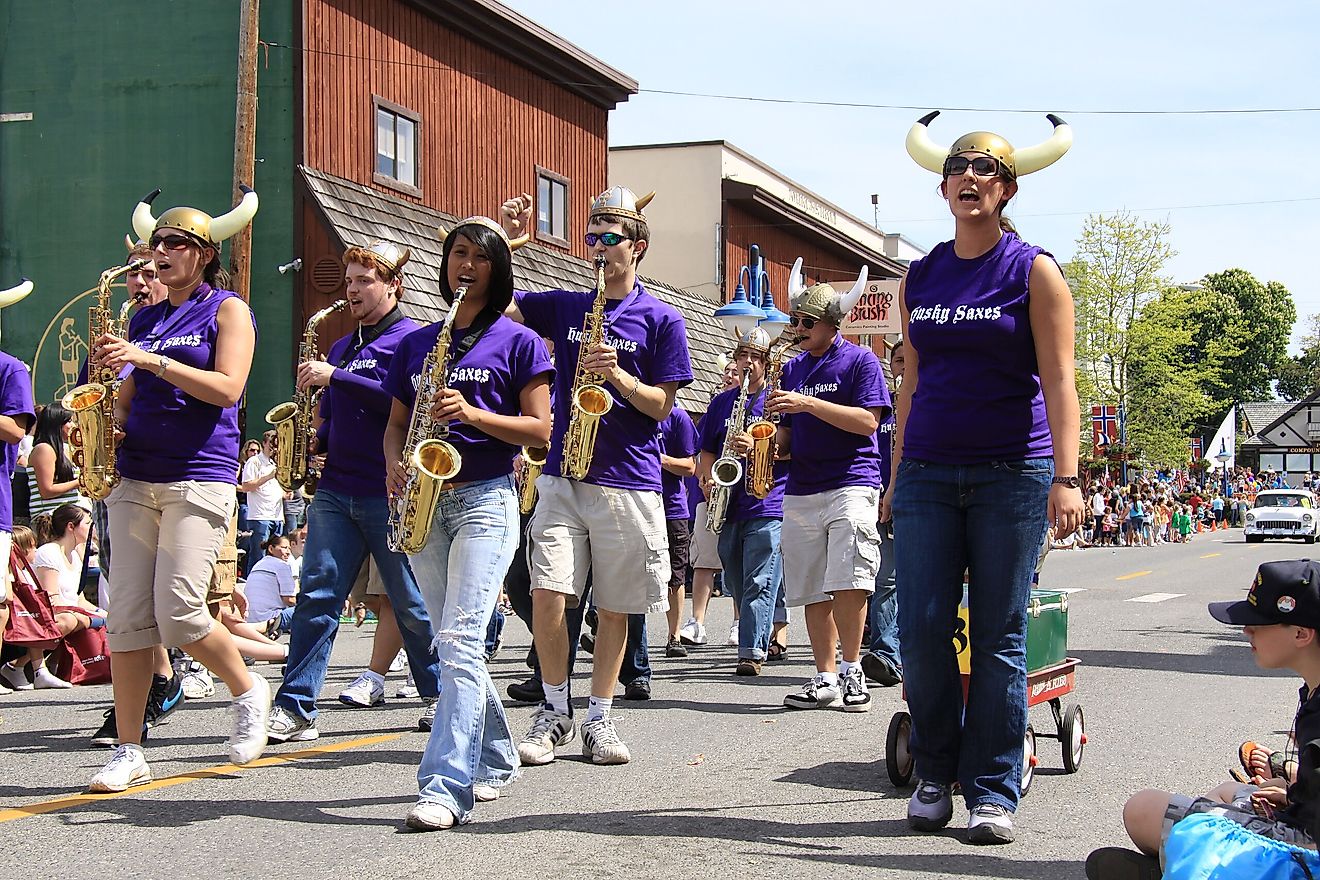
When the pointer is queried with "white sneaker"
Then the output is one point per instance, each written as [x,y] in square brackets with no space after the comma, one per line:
[197,681]
[427,816]
[408,689]
[400,660]
[366,691]
[817,693]
[44,679]
[127,767]
[5,689]
[931,807]
[484,794]
[14,677]
[990,824]
[549,731]
[601,743]
[732,641]
[251,712]
[692,633]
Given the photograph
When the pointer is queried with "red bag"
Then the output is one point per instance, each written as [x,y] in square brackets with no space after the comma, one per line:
[31,619]
[83,657]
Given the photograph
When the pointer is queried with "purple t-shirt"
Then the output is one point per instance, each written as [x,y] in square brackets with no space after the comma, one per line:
[678,439]
[355,409]
[15,402]
[170,435]
[714,428]
[979,398]
[491,376]
[826,457]
[885,441]
[651,340]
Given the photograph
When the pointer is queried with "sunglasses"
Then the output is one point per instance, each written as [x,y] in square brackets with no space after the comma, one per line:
[982,166]
[609,239]
[804,323]
[172,242]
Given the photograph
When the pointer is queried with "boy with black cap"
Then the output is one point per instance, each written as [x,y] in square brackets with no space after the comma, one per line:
[1281,617]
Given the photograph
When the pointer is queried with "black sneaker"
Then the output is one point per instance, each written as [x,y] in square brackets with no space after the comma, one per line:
[855,697]
[637,689]
[529,691]
[588,642]
[880,671]
[107,735]
[164,698]
[675,647]
[1112,863]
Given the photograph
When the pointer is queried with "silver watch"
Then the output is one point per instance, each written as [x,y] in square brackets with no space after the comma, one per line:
[162,365]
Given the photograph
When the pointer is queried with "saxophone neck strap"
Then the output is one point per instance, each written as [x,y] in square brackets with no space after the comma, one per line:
[472,335]
[368,335]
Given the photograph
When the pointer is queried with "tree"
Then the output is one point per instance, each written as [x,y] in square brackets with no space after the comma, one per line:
[1300,376]
[1117,268]
[1245,328]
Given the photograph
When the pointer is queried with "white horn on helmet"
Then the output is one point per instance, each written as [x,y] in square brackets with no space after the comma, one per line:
[143,222]
[228,224]
[14,294]
[796,286]
[1045,154]
[849,299]
[924,151]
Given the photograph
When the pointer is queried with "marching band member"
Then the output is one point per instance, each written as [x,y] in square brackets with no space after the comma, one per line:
[833,397]
[496,397]
[178,469]
[611,522]
[749,538]
[678,447]
[16,415]
[346,521]
[988,321]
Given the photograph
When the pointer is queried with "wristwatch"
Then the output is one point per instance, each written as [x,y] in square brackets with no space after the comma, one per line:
[1072,482]
[162,365]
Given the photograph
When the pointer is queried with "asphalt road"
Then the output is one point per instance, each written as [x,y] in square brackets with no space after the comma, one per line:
[723,781]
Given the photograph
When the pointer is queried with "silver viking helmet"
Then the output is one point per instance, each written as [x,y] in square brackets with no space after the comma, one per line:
[1016,163]
[390,254]
[619,201]
[513,244]
[821,301]
[16,293]
[211,230]
[756,340]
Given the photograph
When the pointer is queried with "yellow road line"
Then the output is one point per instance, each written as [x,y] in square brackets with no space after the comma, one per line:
[1211,555]
[191,776]
[1135,574]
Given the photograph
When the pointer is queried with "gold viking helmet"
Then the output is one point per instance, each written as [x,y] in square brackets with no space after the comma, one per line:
[15,294]
[619,201]
[390,254]
[1016,163]
[490,224]
[211,230]
[821,301]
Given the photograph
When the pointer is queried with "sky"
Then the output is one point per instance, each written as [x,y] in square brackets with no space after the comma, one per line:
[1239,190]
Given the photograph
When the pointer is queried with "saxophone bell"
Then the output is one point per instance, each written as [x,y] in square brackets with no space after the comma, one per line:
[97,474]
[437,459]
[533,460]
[726,472]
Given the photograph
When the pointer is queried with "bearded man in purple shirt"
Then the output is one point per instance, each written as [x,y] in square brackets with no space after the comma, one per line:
[833,397]
[612,521]
[347,518]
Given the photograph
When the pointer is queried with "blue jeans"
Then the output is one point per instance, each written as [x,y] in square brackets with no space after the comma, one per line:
[494,629]
[754,571]
[341,531]
[262,531]
[988,518]
[884,603]
[636,662]
[460,571]
[285,618]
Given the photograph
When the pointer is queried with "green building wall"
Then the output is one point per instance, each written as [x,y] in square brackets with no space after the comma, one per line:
[125,98]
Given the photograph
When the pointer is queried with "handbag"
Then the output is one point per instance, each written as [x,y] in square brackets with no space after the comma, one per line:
[31,618]
[83,657]
[1208,847]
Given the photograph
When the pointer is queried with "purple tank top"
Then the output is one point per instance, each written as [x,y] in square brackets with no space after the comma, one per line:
[173,436]
[979,397]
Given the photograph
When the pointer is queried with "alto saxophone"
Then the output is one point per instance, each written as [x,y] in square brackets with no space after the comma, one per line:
[589,401]
[293,419]
[93,404]
[430,459]
[727,470]
[533,460]
[761,460]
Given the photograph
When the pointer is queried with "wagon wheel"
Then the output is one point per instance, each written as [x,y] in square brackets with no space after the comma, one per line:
[1028,760]
[1073,738]
[898,751]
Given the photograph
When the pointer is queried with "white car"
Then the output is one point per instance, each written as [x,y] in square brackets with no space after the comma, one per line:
[1283,513]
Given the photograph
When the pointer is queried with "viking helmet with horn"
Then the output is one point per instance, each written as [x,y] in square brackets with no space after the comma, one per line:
[390,254]
[756,341]
[513,244]
[619,201]
[499,292]
[15,294]
[211,230]
[821,301]
[931,156]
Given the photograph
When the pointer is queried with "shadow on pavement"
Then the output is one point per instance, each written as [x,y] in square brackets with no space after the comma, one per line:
[149,813]
[1223,660]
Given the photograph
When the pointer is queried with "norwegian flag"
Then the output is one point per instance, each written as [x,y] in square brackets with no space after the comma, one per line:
[1197,449]
[1104,425]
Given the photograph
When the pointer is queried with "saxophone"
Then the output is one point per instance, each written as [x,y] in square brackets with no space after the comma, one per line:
[93,404]
[727,469]
[590,400]
[293,419]
[431,459]
[533,460]
[761,460]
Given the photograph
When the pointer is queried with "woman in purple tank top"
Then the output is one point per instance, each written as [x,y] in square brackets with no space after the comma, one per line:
[178,466]
[989,410]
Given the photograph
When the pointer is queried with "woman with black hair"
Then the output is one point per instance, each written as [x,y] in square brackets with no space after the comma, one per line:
[52,478]
[496,399]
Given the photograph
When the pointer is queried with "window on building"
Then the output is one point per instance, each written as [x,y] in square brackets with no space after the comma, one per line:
[1271,461]
[551,207]
[396,146]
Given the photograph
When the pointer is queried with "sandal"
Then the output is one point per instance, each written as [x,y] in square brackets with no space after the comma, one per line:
[1278,763]
[777,651]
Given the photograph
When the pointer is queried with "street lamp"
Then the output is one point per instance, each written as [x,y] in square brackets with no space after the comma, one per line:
[775,322]
[743,312]
[1222,456]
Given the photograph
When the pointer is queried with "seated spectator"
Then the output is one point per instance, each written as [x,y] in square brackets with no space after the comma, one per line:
[1280,616]
[270,590]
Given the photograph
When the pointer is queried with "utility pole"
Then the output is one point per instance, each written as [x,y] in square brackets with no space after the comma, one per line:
[875,210]
[245,155]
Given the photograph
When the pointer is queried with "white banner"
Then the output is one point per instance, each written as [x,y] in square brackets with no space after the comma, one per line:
[876,311]
[1225,440]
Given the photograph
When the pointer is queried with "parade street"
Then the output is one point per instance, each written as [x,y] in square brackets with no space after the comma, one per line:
[712,789]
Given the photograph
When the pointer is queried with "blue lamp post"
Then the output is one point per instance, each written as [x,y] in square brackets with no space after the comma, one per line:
[775,321]
[743,312]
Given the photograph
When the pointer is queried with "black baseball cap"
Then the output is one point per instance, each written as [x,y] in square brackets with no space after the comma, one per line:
[1282,592]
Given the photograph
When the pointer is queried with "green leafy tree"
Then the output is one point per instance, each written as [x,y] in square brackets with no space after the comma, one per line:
[1244,330]
[1300,376]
